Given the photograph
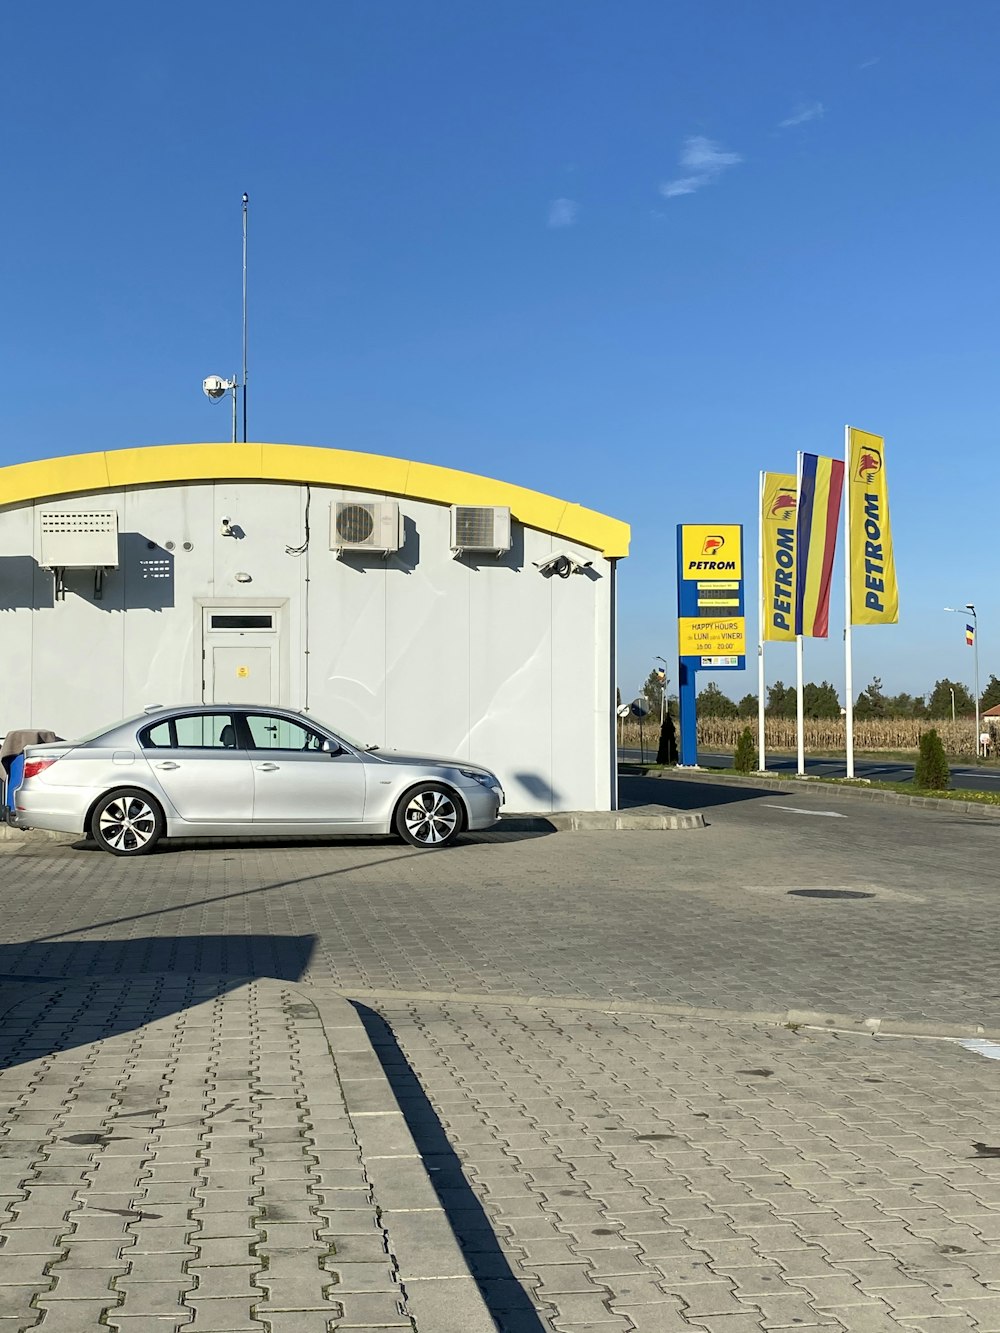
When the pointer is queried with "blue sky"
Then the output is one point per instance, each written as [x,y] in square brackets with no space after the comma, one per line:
[629,254]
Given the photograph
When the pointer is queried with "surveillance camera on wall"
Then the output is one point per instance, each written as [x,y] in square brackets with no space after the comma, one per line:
[563,564]
[226,527]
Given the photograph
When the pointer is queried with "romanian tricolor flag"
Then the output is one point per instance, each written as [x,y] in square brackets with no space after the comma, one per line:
[970,635]
[821,485]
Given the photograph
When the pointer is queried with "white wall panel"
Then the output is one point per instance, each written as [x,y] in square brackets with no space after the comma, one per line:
[477,657]
[22,587]
[511,682]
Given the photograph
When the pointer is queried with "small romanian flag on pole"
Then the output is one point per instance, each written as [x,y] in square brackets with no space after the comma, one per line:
[970,635]
[821,485]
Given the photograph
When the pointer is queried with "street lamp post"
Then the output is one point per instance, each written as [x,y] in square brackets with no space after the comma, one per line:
[951,691]
[663,689]
[975,657]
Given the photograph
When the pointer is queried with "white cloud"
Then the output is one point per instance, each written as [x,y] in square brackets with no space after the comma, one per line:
[802,114]
[867,64]
[563,213]
[705,162]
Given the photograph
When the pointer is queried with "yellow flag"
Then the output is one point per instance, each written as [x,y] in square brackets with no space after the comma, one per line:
[779,501]
[874,594]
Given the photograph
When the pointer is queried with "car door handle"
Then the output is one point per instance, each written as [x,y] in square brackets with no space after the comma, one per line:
[168,763]
[267,768]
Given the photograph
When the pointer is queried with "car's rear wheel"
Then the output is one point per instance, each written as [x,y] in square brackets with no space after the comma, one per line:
[127,822]
[429,816]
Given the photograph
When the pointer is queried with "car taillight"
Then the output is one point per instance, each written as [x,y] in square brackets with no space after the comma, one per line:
[32,767]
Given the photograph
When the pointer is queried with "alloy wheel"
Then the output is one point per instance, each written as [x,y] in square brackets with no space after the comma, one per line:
[431,817]
[127,823]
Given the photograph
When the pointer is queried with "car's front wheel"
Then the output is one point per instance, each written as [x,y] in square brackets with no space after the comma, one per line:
[127,822]
[429,816]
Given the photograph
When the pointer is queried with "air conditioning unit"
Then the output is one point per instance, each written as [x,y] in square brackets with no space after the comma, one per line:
[75,539]
[480,528]
[372,525]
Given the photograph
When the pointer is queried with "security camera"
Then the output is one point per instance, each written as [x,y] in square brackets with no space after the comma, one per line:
[227,527]
[215,387]
[563,564]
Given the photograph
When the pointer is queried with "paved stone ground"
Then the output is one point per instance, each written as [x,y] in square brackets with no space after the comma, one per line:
[655,1175]
[700,917]
[814,1179]
[177,1152]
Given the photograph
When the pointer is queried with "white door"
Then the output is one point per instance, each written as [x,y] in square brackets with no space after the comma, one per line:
[241,653]
[242,675]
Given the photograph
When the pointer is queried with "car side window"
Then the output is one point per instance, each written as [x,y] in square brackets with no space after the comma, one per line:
[158,737]
[198,731]
[270,732]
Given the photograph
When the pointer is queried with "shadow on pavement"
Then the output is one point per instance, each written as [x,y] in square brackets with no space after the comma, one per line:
[120,985]
[678,794]
[505,1298]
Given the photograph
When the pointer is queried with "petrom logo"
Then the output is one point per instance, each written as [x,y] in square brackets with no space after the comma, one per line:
[710,551]
[712,545]
[869,466]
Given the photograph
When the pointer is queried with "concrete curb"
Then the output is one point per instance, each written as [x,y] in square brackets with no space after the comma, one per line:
[441,1292]
[14,837]
[796,786]
[576,821]
[814,1019]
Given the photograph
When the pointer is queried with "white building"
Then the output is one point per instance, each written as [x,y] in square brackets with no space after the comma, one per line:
[409,605]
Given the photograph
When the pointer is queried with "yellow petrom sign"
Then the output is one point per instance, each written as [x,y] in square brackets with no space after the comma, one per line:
[711,552]
[712,638]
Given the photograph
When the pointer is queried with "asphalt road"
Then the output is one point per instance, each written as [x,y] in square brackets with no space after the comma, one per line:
[984,777]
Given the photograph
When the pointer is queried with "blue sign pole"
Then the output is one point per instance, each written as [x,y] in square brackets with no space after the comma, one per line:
[710,616]
[689,713]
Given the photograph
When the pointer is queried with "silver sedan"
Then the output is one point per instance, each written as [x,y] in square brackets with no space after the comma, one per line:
[242,772]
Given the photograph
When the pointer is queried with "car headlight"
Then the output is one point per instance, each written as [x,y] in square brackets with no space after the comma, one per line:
[484,779]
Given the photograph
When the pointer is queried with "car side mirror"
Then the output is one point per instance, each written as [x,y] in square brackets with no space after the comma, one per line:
[331,748]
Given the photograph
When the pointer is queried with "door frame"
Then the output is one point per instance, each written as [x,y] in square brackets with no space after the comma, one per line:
[237,604]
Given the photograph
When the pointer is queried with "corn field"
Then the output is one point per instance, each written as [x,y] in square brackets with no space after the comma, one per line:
[902,733]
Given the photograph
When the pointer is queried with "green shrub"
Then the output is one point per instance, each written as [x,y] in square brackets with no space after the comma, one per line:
[932,772]
[745,759]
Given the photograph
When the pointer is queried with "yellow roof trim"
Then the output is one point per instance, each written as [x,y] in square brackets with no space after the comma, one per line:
[111,470]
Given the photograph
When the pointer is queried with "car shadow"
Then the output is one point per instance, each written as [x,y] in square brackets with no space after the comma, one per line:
[503,1294]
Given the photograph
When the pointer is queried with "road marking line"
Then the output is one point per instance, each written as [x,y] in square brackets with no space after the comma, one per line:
[793,810]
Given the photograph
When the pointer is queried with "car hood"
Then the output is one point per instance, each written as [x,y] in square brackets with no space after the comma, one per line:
[426,760]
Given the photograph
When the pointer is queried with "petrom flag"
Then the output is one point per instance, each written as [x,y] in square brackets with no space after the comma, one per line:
[874,594]
[778,502]
[821,485]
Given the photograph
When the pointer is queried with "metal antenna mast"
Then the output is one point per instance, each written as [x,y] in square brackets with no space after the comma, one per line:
[246,201]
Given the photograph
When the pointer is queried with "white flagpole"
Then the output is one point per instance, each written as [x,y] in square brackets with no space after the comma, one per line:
[799,702]
[848,646]
[761,759]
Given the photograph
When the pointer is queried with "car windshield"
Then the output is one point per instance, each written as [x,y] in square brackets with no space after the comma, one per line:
[343,736]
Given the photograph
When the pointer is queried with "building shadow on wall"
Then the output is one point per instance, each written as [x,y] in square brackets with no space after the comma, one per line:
[148,569]
[24,584]
[405,560]
[512,559]
[144,580]
[537,787]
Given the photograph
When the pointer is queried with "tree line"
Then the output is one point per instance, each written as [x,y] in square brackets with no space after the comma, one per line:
[822,700]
